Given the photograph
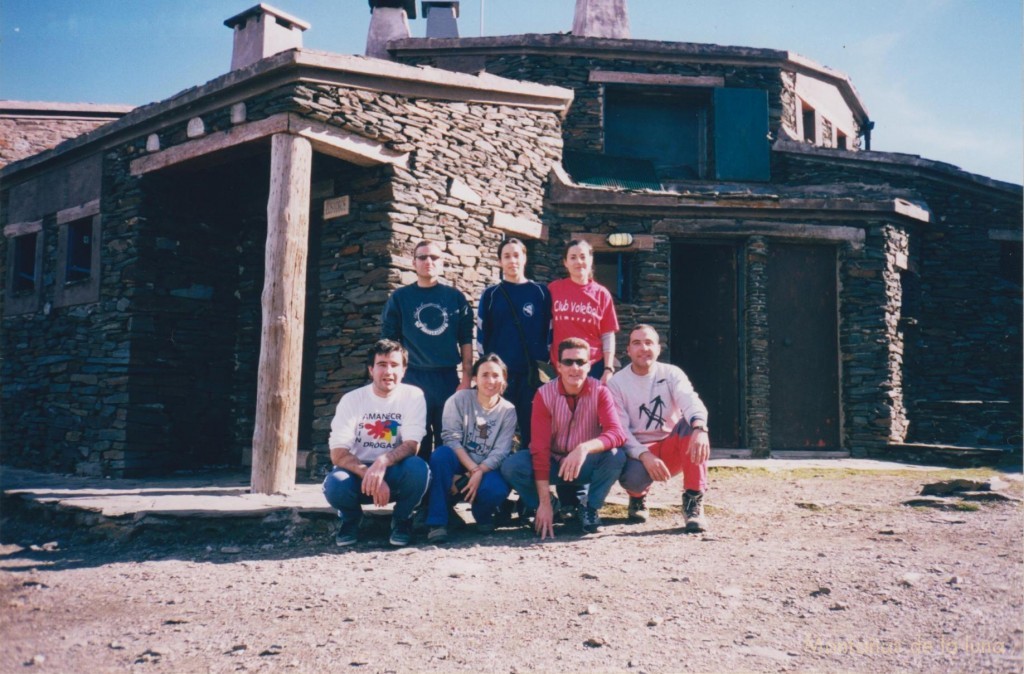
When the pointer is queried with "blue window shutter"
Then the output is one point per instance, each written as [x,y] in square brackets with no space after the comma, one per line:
[741,135]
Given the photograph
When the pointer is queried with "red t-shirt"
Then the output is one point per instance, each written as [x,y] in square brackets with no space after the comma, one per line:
[584,311]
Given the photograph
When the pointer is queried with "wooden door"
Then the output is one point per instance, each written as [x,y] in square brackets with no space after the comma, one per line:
[803,347]
[705,332]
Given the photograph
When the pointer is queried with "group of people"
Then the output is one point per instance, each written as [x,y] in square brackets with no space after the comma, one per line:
[422,437]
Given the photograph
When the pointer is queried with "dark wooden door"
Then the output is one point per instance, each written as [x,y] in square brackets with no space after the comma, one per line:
[705,332]
[803,355]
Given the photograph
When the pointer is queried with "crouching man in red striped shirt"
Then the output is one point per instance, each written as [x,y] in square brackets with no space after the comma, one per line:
[575,439]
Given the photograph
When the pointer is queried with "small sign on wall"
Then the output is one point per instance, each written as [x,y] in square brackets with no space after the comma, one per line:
[336,207]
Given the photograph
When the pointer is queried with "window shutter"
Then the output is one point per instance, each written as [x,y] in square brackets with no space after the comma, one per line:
[741,135]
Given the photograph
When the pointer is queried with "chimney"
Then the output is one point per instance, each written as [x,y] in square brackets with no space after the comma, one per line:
[601,18]
[389,21]
[263,31]
[441,17]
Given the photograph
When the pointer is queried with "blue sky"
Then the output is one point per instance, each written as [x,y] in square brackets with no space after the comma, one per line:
[941,78]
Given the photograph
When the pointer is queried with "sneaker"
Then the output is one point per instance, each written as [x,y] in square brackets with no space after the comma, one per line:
[401,532]
[590,521]
[693,509]
[638,511]
[436,535]
[347,533]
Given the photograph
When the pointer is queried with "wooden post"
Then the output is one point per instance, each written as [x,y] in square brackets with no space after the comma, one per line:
[275,439]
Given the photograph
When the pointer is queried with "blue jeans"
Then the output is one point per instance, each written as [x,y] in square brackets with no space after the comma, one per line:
[437,386]
[407,480]
[444,465]
[599,471]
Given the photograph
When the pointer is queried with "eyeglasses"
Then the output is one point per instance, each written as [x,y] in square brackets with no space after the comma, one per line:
[435,258]
[578,362]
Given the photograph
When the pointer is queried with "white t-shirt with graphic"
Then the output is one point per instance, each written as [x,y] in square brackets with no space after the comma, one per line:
[368,425]
[652,404]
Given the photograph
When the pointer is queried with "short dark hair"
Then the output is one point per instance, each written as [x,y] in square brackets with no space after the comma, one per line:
[491,358]
[582,243]
[382,347]
[423,244]
[512,241]
[573,343]
[644,326]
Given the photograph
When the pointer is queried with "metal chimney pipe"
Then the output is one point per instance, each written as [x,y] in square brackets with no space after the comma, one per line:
[601,18]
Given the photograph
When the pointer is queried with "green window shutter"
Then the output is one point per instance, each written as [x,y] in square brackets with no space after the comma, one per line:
[741,135]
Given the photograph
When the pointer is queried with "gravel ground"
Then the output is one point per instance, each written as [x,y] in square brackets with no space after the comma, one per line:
[803,570]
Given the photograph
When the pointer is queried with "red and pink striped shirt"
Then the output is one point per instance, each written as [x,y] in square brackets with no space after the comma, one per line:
[561,421]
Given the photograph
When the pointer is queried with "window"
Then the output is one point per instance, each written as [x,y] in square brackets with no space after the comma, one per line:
[78,255]
[24,268]
[668,128]
[25,280]
[840,140]
[79,251]
[615,272]
[690,133]
[809,123]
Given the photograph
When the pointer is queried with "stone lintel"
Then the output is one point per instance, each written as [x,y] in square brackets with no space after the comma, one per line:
[21,228]
[325,139]
[746,228]
[78,212]
[599,242]
[655,79]
[528,229]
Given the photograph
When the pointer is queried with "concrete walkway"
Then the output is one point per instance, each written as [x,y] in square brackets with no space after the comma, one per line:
[225,494]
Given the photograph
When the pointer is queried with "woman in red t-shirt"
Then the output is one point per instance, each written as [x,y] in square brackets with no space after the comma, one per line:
[582,307]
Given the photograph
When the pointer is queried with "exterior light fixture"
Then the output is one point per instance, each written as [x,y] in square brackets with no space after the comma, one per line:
[619,239]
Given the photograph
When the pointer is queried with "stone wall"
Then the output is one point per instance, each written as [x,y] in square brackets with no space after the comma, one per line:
[502,154]
[583,125]
[963,342]
[161,373]
[28,128]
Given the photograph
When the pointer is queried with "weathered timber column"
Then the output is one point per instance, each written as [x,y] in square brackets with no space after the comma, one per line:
[274,441]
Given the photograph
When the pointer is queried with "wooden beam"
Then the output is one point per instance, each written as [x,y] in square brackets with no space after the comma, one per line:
[78,212]
[325,138]
[21,228]
[655,79]
[275,439]
[599,242]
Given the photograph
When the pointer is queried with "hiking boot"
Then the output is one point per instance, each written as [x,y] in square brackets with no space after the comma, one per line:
[590,521]
[693,509]
[401,532]
[348,533]
[436,535]
[638,511]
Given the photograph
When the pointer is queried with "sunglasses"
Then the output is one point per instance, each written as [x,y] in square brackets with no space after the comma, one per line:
[435,258]
[578,362]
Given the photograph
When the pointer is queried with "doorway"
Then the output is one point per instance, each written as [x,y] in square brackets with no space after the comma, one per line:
[803,350]
[705,336]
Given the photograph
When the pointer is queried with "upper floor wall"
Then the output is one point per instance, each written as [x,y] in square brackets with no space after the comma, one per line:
[690,111]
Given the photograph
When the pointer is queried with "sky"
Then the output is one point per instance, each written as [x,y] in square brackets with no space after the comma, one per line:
[941,78]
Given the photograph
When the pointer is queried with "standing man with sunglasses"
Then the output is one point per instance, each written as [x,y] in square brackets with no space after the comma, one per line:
[576,435]
[434,322]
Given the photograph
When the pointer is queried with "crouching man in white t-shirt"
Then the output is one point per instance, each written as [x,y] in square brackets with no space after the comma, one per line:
[375,434]
[666,428]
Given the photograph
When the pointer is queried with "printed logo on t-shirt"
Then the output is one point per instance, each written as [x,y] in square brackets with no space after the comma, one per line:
[655,414]
[431,319]
[580,309]
[383,429]
[528,309]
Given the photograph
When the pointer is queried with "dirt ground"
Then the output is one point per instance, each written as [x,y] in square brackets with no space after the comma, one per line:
[803,570]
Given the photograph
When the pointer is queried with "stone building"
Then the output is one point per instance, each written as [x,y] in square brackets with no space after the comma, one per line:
[824,297]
